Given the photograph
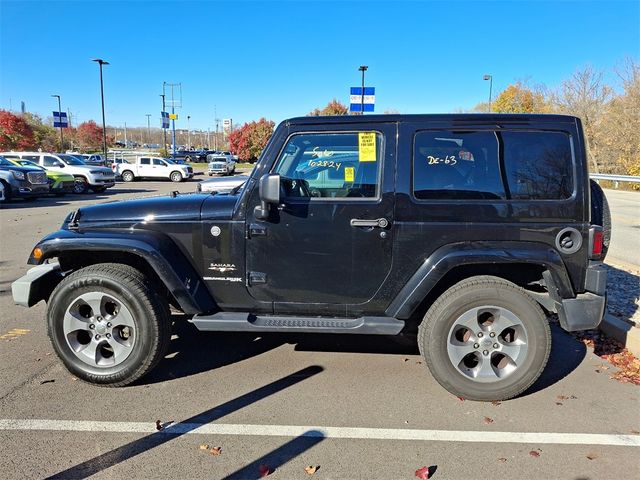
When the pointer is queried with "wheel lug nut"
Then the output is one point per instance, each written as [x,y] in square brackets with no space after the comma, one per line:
[108,335]
[492,334]
[109,324]
[92,326]
[485,352]
[495,345]
[476,345]
[97,337]
[99,318]
[480,334]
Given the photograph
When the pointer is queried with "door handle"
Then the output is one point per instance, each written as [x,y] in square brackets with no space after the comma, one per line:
[379,223]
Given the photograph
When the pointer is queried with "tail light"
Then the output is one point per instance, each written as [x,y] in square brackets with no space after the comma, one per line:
[596,237]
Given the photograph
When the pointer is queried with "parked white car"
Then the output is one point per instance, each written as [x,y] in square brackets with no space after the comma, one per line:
[85,176]
[221,164]
[153,167]
[221,185]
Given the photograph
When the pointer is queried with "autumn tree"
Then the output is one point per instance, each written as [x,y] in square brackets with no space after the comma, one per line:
[519,98]
[334,107]
[46,137]
[15,132]
[248,141]
[89,136]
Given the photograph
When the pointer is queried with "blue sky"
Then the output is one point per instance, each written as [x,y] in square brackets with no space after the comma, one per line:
[282,59]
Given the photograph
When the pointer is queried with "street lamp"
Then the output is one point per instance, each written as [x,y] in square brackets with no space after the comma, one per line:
[102,62]
[490,78]
[60,121]
[363,68]
[188,132]
[148,115]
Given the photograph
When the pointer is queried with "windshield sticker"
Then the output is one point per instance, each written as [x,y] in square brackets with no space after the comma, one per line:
[349,174]
[367,146]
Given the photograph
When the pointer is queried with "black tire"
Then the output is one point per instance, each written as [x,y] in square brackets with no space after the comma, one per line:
[127,176]
[150,313]
[600,214]
[8,195]
[176,177]
[80,185]
[99,189]
[438,324]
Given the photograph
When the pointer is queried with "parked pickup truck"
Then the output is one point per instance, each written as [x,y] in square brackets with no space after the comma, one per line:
[461,231]
[153,167]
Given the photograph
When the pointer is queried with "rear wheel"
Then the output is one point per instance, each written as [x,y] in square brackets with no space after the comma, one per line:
[80,185]
[600,214]
[127,176]
[176,177]
[107,324]
[485,339]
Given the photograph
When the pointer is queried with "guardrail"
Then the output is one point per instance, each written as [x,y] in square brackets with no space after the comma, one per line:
[616,179]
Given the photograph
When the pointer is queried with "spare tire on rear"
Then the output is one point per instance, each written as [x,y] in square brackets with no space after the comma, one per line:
[600,214]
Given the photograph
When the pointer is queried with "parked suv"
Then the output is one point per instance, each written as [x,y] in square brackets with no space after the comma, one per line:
[463,229]
[86,177]
[22,182]
[221,164]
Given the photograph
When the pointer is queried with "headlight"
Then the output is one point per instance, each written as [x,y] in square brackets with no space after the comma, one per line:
[18,175]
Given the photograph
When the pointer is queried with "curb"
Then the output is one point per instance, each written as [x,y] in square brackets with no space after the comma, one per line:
[621,331]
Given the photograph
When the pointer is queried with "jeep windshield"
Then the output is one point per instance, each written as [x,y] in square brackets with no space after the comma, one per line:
[71,160]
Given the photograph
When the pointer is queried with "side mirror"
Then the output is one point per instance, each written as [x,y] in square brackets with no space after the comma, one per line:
[60,165]
[269,189]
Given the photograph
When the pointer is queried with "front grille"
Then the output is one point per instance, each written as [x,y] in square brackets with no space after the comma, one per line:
[37,178]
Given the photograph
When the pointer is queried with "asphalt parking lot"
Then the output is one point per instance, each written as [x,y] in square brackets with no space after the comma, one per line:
[357,407]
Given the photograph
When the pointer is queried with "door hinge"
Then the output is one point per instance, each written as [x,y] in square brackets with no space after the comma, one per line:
[257,278]
[256,230]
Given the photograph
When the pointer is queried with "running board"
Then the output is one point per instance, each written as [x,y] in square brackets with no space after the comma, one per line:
[248,322]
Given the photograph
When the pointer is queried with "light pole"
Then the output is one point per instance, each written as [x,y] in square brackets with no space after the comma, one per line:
[490,78]
[102,62]
[188,132]
[148,115]
[363,68]
[164,130]
[60,121]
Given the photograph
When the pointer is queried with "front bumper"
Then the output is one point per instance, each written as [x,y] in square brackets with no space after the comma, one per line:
[36,285]
[26,189]
[586,310]
[66,187]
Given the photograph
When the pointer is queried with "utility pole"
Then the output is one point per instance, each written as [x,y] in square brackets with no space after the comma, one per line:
[148,115]
[126,144]
[189,132]
[363,68]
[104,125]
[164,130]
[60,120]
[174,103]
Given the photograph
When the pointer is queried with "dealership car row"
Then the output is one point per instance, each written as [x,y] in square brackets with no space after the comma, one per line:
[28,175]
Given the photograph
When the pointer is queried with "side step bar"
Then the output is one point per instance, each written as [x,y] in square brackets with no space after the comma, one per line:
[248,322]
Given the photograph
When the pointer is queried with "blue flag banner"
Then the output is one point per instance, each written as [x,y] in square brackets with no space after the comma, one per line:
[356,99]
[60,120]
[165,119]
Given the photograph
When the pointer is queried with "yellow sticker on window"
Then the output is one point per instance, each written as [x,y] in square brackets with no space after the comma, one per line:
[367,146]
[349,174]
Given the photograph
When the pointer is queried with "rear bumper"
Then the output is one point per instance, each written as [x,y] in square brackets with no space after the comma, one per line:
[586,310]
[36,285]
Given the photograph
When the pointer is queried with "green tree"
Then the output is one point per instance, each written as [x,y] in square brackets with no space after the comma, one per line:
[46,137]
[334,107]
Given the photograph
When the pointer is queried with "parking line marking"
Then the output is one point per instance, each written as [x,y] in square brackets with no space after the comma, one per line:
[14,333]
[326,432]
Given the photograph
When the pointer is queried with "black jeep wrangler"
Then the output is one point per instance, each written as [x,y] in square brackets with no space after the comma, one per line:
[465,229]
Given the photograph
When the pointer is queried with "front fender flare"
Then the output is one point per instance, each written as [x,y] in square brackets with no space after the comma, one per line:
[162,254]
[436,266]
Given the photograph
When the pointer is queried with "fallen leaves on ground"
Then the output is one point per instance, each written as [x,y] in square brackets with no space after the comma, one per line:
[461,399]
[264,470]
[158,425]
[204,446]
[495,403]
[311,469]
[612,351]
[592,456]
[215,451]
[502,460]
[488,420]
[559,403]
[535,453]
[423,473]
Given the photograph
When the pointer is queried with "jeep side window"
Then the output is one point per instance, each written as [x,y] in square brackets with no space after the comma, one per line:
[331,165]
[538,165]
[456,165]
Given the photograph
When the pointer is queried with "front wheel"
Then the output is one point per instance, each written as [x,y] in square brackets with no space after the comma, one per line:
[485,339]
[127,176]
[176,177]
[80,185]
[107,324]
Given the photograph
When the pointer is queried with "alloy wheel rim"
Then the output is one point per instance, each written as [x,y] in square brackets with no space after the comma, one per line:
[487,344]
[99,329]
